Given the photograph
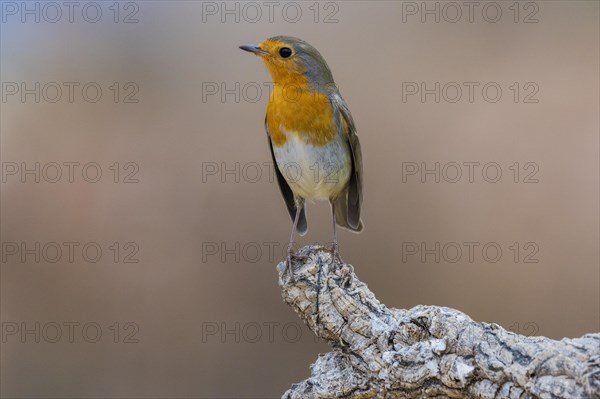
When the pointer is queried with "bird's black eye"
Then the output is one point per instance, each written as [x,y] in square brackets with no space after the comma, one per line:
[285,52]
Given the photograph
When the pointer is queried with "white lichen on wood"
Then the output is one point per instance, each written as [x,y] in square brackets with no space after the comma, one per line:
[426,351]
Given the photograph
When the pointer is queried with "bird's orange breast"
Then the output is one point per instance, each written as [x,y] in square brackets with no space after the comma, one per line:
[293,109]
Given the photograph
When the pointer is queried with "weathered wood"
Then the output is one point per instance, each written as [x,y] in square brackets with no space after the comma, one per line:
[426,351]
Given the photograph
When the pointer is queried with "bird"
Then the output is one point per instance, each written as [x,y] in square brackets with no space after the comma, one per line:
[312,137]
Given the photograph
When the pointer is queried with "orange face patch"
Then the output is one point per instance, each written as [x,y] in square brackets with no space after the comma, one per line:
[283,70]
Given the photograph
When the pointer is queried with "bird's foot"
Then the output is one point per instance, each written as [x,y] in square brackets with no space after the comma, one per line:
[291,255]
[335,252]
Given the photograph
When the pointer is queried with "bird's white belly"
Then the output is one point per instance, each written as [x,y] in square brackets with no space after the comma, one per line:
[314,172]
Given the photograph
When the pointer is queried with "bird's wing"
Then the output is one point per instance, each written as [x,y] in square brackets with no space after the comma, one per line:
[286,191]
[345,123]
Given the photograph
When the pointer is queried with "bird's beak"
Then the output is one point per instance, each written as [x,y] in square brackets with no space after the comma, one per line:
[253,49]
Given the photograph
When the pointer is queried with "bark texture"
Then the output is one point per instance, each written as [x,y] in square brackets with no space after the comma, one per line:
[426,351]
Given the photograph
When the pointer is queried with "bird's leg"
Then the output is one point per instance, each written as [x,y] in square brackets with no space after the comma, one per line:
[290,250]
[335,251]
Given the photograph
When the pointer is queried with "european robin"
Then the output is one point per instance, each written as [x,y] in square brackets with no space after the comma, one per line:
[311,135]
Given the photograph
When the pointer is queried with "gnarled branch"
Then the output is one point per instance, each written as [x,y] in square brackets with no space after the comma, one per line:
[426,351]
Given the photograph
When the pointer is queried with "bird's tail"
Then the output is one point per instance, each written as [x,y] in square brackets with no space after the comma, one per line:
[302,226]
[341,214]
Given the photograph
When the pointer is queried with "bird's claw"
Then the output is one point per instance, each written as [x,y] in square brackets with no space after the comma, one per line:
[289,268]
[335,252]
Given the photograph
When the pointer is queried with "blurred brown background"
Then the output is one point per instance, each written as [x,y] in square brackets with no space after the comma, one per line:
[199,315]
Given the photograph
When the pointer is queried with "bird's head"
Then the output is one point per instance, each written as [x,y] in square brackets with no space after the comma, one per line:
[293,61]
